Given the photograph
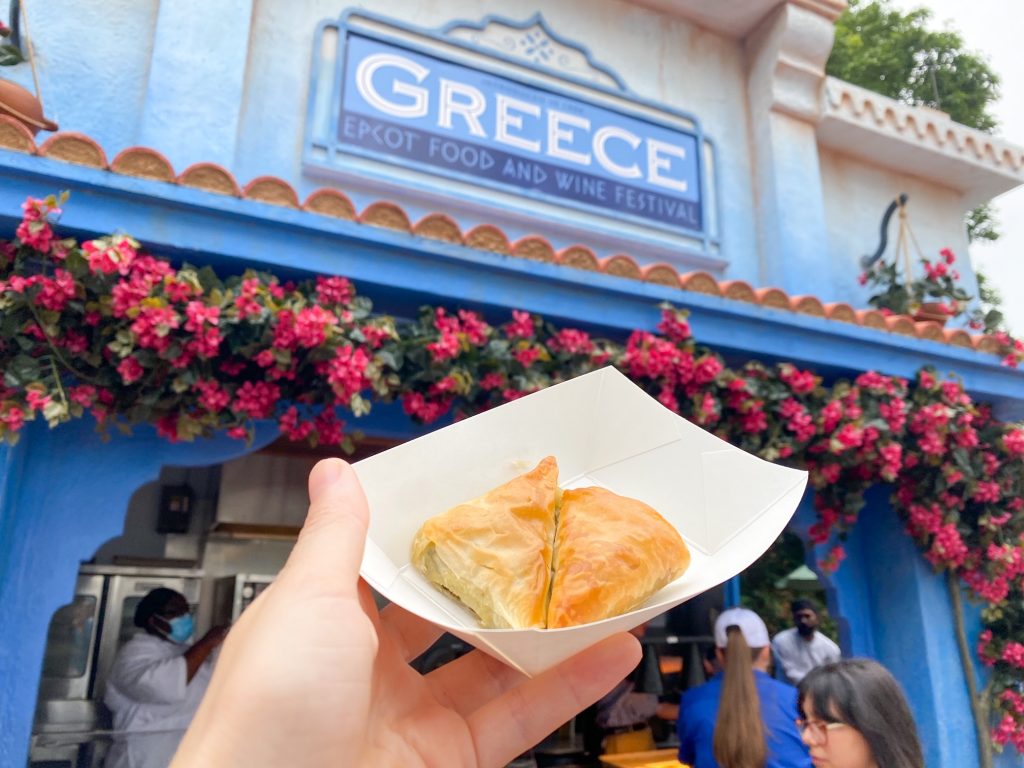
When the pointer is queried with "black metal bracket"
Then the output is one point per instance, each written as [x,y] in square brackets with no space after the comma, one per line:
[14,14]
[868,261]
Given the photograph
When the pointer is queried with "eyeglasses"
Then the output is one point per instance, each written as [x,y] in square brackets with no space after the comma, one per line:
[819,729]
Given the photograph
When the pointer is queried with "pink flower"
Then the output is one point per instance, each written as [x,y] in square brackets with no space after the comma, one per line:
[527,357]
[130,369]
[445,348]
[667,398]
[427,411]
[83,394]
[491,381]
[329,428]
[346,372]
[312,324]
[13,418]
[36,400]
[293,427]
[862,278]
[799,381]
[198,315]
[1013,442]
[707,369]
[334,290]
[375,336]
[212,396]
[948,547]
[948,256]
[256,399]
[1013,653]
[674,325]
[571,342]
[521,326]
[238,433]
[153,325]
[475,329]
[926,380]
[986,491]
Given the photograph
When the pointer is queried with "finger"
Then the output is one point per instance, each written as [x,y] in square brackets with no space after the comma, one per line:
[330,546]
[412,635]
[470,681]
[524,715]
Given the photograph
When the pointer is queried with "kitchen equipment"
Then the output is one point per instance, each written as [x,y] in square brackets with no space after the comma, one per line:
[233,594]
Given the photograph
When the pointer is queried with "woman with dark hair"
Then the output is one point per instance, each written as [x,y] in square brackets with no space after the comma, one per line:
[854,715]
[741,718]
[157,681]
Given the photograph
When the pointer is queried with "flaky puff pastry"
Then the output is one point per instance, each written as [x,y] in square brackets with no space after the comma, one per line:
[611,554]
[494,553]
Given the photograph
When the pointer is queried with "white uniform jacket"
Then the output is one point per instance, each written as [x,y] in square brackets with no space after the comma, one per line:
[151,701]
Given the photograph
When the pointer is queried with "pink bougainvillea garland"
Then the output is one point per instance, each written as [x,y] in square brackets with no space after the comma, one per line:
[103,328]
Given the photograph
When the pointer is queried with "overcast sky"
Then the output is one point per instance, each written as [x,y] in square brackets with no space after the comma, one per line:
[995,29]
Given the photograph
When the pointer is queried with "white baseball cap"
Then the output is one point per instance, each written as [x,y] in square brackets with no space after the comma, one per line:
[750,624]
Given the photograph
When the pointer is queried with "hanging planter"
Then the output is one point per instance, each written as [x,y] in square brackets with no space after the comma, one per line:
[934,311]
[19,103]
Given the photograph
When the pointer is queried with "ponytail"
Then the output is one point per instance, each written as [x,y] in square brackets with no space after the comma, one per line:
[739,731]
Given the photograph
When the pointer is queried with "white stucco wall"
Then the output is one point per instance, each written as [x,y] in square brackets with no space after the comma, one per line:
[856,195]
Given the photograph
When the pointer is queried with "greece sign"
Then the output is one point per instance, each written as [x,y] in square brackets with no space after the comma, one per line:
[415,109]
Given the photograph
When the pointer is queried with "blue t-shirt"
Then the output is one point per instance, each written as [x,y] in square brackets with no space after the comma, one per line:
[698,711]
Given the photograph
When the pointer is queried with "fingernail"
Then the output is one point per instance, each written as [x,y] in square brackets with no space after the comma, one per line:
[325,473]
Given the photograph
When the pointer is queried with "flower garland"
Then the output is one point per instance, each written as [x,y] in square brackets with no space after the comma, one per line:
[103,328]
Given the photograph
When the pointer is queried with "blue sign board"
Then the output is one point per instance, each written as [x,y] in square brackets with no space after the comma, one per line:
[411,108]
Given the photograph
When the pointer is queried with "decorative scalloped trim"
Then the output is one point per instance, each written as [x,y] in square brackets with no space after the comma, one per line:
[272,190]
[330,202]
[143,163]
[147,163]
[922,124]
[210,177]
[74,147]
[15,136]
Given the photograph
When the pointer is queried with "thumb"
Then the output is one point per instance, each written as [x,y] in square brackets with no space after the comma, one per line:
[330,546]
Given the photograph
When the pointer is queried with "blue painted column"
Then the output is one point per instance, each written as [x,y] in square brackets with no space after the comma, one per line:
[892,607]
[788,54]
[62,494]
[196,87]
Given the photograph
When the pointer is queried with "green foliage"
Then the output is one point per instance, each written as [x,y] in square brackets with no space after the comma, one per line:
[896,54]
[981,224]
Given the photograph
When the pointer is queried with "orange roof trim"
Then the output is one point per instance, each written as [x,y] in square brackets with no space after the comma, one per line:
[143,162]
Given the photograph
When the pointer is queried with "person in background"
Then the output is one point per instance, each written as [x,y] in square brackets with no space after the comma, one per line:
[313,675]
[802,647]
[624,714]
[742,718]
[854,715]
[157,681]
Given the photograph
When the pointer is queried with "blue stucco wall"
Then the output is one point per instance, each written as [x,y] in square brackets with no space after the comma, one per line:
[64,493]
[892,607]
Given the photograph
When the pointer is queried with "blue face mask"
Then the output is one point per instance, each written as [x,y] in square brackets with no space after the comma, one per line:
[181,628]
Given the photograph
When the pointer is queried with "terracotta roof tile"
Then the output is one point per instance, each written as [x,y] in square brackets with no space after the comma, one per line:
[700,282]
[330,202]
[776,298]
[487,237]
[211,178]
[387,215]
[14,135]
[661,274]
[439,226]
[270,189]
[534,248]
[579,257]
[143,162]
[740,290]
[73,147]
[621,265]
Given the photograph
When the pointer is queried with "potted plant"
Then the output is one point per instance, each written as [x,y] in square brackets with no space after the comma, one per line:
[936,296]
[18,102]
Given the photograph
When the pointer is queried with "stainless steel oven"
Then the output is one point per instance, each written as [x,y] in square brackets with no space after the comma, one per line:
[233,594]
[83,639]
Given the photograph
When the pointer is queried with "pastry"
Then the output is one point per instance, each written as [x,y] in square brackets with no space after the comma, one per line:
[611,554]
[494,553]
[526,555]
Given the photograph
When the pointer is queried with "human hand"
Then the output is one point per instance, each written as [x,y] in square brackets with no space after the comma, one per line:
[311,675]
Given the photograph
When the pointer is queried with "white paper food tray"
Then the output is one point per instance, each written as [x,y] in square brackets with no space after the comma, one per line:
[728,505]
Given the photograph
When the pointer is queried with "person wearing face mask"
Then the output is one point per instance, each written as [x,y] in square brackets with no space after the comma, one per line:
[157,681]
[854,715]
[802,647]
